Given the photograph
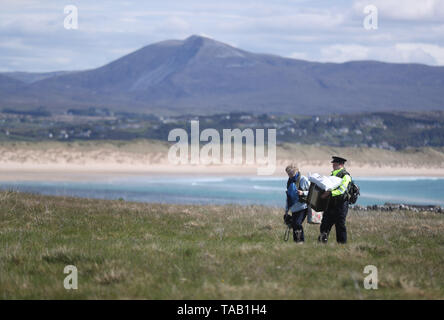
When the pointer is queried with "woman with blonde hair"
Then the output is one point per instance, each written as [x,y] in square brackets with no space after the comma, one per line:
[297,192]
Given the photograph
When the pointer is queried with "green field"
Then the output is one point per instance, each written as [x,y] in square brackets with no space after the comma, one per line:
[125,250]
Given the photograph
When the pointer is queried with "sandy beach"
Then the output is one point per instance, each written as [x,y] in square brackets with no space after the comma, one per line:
[97,160]
[72,172]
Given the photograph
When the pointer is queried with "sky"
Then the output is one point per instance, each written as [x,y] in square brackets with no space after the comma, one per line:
[33,36]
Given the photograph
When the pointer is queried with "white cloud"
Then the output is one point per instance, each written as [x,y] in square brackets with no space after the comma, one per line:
[29,23]
[14,43]
[422,49]
[176,24]
[398,53]
[203,34]
[431,10]
[288,23]
[299,55]
[345,52]
[409,30]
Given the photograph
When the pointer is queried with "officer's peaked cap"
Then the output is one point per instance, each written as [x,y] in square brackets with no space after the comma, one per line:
[338,160]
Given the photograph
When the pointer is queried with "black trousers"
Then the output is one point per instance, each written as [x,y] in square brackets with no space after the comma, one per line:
[297,220]
[335,215]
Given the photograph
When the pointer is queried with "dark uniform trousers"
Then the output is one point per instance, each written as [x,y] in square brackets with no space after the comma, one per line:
[335,215]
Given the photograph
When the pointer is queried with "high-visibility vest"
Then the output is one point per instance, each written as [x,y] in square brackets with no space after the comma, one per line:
[346,179]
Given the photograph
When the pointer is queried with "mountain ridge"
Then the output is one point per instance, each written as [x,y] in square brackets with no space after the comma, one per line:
[201,75]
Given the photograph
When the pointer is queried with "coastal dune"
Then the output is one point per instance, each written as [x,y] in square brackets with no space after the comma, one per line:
[56,160]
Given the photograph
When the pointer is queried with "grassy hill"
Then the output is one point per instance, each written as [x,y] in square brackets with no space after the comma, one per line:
[151,251]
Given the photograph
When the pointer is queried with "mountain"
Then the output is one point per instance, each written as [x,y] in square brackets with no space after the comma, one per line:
[203,76]
[30,77]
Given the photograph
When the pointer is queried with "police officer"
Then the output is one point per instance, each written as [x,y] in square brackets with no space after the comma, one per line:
[338,206]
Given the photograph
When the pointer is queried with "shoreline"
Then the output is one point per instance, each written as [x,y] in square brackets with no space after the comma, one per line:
[386,207]
[10,175]
[83,161]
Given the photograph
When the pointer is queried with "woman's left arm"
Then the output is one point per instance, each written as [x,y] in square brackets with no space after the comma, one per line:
[305,185]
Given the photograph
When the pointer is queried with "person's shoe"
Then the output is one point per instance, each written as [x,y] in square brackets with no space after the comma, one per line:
[298,236]
[323,237]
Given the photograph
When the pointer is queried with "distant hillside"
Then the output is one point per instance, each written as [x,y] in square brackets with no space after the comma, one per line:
[392,131]
[203,76]
[30,77]
[9,85]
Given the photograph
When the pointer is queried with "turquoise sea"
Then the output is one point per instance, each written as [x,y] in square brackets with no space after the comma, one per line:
[268,191]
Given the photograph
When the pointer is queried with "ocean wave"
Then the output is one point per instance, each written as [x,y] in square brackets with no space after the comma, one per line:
[402,199]
[397,178]
[266,178]
[268,188]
